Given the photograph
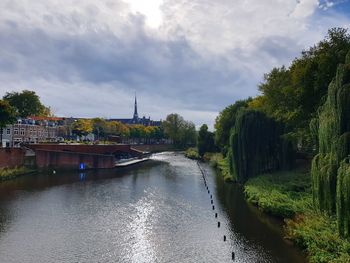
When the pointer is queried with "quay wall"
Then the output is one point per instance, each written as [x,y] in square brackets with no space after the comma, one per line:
[69,156]
[47,159]
[83,148]
[11,157]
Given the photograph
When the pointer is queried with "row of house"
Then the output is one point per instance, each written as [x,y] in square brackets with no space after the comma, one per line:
[32,130]
[53,129]
[41,130]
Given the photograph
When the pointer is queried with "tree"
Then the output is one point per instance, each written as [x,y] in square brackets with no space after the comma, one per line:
[46,112]
[100,128]
[82,127]
[205,141]
[187,134]
[330,169]
[121,129]
[256,145]
[7,116]
[181,132]
[293,95]
[225,121]
[26,103]
[172,126]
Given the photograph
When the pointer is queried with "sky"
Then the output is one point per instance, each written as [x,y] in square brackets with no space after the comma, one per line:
[87,58]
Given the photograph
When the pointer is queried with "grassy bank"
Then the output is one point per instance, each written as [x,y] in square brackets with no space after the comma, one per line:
[10,173]
[219,162]
[288,195]
[216,160]
[282,194]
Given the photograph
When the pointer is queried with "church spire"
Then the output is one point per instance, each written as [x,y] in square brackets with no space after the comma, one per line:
[136,116]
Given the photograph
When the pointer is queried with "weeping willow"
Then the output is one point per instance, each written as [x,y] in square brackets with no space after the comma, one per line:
[256,145]
[330,169]
[314,132]
[343,197]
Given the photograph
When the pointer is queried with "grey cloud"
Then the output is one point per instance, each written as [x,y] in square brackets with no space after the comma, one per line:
[86,66]
[170,69]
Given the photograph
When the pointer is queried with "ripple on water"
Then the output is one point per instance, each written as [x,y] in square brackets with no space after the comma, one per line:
[156,212]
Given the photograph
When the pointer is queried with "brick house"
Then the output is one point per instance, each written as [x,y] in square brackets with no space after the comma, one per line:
[32,130]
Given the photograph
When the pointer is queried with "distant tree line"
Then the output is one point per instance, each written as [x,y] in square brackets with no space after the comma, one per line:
[27,103]
[103,129]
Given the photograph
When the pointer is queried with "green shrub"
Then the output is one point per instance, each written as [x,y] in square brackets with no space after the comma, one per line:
[282,194]
[222,164]
[288,195]
[317,233]
[8,173]
[207,156]
[192,153]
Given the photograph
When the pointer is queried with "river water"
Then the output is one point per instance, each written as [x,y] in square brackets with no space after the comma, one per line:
[158,211]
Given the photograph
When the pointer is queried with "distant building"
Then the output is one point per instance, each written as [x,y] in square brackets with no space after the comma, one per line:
[32,130]
[7,136]
[136,120]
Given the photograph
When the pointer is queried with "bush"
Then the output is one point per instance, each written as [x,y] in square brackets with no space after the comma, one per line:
[282,194]
[317,233]
[288,195]
[192,153]
[221,163]
[8,173]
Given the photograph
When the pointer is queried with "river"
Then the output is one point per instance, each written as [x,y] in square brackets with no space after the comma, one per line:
[157,211]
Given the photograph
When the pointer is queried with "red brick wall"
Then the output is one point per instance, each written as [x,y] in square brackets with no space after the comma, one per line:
[72,160]
[81,148]
[11,157]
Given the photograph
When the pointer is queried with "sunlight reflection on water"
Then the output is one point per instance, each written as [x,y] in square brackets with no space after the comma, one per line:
[159,211]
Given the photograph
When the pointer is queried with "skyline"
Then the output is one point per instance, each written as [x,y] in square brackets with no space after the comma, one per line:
[88,58]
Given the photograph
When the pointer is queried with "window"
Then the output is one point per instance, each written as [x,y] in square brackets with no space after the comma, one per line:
[8,131]
[22,131]
[16,131]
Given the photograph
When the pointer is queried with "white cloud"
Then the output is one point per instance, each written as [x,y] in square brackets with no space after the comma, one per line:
[87,57]
[150,9]
[305,8]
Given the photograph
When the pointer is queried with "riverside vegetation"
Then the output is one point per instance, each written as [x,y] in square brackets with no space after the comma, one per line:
[302,114]
[10,173]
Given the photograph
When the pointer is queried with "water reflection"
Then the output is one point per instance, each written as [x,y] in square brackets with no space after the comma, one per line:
[82,176]
[253,227]
[158,211]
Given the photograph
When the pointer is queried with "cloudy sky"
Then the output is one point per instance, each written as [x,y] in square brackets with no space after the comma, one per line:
[87,58]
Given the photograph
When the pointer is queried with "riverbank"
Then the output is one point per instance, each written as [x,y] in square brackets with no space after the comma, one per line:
[11,173]
[220,163]
[288,195]
[216,160]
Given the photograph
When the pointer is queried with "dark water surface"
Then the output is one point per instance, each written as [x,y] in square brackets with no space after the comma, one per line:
[157,211]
